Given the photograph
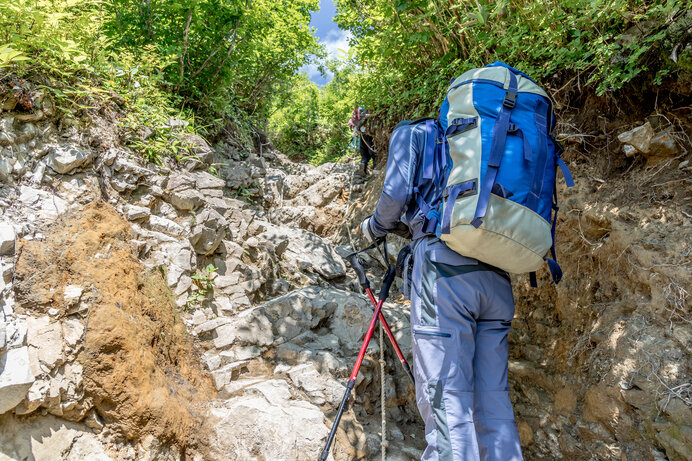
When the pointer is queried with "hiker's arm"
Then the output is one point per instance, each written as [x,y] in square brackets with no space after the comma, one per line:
[397,189]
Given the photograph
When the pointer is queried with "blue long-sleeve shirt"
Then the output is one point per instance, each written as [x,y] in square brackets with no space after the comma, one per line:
[396,203]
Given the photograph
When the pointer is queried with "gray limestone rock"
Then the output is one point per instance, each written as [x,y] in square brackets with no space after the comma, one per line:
[265,421]
[44,337]
[208,231]
[64,160]
[165,225]
[15,377]
[7,237]
[305,251]
[186,200]
[135,213]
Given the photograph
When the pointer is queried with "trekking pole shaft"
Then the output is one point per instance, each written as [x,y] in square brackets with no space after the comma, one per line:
[337,420]
[392,340]
[366,341]
[352,379]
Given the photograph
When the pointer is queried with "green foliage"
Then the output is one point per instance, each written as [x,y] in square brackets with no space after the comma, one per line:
[9,56]
[407,50]
[217,61]
[204,284]
[309,123]
[220,55]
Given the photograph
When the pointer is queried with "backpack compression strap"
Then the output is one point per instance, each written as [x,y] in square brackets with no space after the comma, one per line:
[496,150]
[434,163]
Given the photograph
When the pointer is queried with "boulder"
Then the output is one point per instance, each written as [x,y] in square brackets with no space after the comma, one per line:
[208,231]
[663,145]
[639,137]
[64,160]
[44,338]
[201,154]
[267,422]
[282,319]
[165,226]
[305,251]
[15,377]
[134,213]
[204,180]
[186,200]
[7,238]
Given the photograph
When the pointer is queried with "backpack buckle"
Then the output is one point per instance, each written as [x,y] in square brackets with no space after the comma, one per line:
[510,100]
[512,128]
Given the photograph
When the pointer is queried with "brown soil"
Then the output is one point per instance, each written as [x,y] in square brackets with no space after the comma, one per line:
[139,366]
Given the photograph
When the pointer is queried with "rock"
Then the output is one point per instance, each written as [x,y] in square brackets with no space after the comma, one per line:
[186,200]
[663,145]
[265,422]
[5,168]
[16,333]
[237,178]
[15,378]
[208,231]
[180,182]
[224,305]
[165,225]
[639,138]
[72,294]
[44,337]
[321,389]
[64,160]
[52,207]
[225,375]
[630,151]
[283,319]
[50,438]
[200,150]
[7,238]
[248,328]
[211,325]
[306,251]
[28,195]
[205,180]
[3,335]
[134,213]
[73,332]
[323,192]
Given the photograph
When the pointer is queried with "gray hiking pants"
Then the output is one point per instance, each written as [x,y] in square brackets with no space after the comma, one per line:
[461,314]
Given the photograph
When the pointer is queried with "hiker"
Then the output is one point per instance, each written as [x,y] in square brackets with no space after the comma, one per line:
[360,125]
[461,311]
[461,299]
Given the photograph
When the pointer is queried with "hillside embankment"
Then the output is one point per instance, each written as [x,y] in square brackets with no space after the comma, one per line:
[168,313]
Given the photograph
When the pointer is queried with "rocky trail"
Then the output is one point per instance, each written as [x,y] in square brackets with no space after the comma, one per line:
[167,313]
[120,340]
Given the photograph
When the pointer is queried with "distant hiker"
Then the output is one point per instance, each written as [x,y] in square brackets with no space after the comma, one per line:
[360,123]
[478,204]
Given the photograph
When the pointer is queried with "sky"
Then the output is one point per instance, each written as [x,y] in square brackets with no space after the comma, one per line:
[334,39]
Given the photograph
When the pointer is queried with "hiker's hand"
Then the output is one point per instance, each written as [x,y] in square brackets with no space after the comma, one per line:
[402,230]
[365,230]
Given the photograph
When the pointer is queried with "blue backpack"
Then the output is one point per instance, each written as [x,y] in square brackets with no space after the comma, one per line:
[487,181]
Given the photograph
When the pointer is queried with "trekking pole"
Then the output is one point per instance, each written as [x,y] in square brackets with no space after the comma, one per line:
[388,280]
[392,340]
[383,321]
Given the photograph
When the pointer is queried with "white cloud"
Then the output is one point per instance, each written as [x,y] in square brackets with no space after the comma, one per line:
[312,71]
[336,43]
